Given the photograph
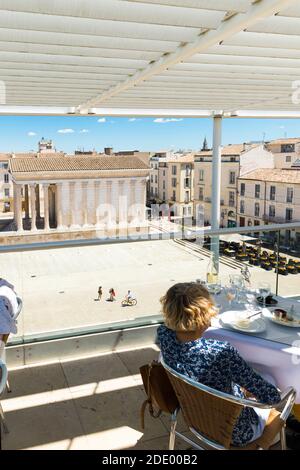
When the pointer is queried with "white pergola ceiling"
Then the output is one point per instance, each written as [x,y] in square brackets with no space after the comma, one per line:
[150,54]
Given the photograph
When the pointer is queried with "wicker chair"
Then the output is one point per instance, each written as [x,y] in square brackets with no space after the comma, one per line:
[211,415]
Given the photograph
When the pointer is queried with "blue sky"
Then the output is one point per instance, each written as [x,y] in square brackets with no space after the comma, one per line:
[21,133]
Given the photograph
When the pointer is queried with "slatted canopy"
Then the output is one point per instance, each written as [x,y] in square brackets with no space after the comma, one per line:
[185,57]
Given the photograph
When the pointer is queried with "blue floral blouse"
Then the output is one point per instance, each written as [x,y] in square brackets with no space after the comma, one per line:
[218,364]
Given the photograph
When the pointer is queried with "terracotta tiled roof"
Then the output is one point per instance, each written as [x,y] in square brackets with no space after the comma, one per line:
[292,140]
[189,158]
[274,175]
[33,165]
[38,155]
[234,149]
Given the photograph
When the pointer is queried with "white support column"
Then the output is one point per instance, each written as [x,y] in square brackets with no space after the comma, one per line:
[18,207]
[33,206]
[58,206]
[216,183]
[46,206]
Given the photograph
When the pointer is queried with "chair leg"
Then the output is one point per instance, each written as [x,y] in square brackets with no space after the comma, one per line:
[8,389]
[283,438]
[2,420]
[172,431]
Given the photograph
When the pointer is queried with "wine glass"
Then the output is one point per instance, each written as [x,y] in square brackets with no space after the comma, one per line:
[237,281]
[230,294]
[264,290]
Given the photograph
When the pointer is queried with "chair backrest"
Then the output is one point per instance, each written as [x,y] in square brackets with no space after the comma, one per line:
[208,414]
[20,306]
[3,376]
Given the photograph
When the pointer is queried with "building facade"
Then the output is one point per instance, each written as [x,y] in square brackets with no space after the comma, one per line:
[269,196]
[286,152]
[237,160]
[77,193]
[6,186]
[172,182]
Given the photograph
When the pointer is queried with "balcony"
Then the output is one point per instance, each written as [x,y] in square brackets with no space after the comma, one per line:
[277,220]
[85,403]
[81,402]
[207,199]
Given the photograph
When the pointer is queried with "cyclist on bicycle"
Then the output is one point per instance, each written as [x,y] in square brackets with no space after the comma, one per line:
[129,296]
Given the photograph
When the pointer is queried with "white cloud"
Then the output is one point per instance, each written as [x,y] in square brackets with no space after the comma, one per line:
[83,131]
[102,119]
[164,120]
[31,134]
[65,131]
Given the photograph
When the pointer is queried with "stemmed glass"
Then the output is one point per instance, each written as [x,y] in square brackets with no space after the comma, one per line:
[230,294]
[264,290]
[237,281]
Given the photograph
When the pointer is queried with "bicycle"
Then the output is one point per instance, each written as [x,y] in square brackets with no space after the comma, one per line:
[128,302]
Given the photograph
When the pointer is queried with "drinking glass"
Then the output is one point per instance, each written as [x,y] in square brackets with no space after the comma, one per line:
[230,294]
[264,290]
[237,281]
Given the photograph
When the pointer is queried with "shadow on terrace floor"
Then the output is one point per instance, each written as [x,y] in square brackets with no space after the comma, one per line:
[90,403]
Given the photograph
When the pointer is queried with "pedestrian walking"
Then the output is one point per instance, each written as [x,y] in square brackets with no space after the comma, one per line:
[100,292]
[112,294]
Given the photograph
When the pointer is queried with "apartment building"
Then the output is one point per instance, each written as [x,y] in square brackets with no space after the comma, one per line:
[237,160]
[172,182]
[286,152]
[6,186]
[268,196]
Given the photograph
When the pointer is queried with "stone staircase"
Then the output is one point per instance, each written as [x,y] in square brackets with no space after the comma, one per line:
[199,250]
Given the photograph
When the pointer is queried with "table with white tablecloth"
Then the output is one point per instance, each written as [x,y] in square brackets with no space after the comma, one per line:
[274,352]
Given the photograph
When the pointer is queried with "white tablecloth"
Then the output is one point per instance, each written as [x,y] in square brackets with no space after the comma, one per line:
[275,352]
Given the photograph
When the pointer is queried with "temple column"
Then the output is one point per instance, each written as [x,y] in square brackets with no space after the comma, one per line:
[26,201]
[144,196]
[122,205]
[32,206]
[96,201]
[18,207]
[139,200]
[46,207]
[38,203]
[72,201]
[109,202]
[116,199]
[84,203]
[58,204]
[132,201]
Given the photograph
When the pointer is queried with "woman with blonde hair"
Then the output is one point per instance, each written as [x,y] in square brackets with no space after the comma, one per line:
[188,309]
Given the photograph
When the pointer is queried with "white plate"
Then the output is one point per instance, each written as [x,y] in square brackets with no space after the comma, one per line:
[257,324]
[269,314]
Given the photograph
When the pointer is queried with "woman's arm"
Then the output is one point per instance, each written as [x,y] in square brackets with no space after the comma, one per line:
[245,376]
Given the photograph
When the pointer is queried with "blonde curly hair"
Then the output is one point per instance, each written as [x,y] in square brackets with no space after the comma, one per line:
[187,306]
